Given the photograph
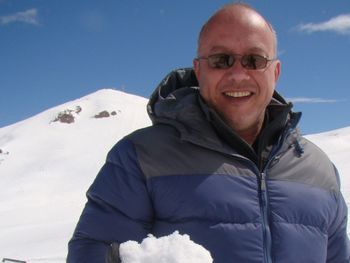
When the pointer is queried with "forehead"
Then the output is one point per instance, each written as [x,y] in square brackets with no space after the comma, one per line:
[237,31]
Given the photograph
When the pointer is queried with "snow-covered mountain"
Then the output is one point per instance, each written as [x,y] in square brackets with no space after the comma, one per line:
[47,163]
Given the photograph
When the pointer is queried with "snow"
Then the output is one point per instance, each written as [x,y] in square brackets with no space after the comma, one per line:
[174,248]
[46,167]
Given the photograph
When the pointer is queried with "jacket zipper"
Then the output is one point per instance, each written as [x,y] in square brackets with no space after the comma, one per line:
[265,219]
[264,197]
[264,208]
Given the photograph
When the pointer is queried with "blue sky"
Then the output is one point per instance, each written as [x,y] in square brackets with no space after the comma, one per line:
[55,51]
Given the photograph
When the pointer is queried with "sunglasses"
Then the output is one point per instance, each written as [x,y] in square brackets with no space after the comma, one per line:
[224,61]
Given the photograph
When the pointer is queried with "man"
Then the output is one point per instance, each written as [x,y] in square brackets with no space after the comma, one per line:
[223,163]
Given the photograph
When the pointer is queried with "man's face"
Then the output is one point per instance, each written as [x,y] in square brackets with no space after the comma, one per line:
[238,95]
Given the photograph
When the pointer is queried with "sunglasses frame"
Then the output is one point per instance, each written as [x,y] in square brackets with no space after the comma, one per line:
[235,56]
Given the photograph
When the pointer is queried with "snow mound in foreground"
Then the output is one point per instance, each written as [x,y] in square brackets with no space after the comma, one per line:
[174,248]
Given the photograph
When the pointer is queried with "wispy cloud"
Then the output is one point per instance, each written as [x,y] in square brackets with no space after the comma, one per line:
[339,24]
[29,16]
[311,100]
[281,52]
[93,21]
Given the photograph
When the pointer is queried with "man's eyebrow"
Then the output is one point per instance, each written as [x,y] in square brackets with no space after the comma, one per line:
[219,48]
[257,50]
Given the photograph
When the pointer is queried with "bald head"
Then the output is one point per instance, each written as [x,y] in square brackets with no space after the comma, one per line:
[238,14]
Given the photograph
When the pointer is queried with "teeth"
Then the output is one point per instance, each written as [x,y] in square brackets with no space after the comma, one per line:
[238,94]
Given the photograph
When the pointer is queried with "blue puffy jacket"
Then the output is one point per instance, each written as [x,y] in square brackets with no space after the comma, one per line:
[180,175]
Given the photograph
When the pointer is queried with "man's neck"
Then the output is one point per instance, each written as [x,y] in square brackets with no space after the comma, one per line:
[249,135]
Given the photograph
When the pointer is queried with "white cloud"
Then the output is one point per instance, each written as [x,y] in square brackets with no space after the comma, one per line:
[29,16]
[311,100]
[339,24]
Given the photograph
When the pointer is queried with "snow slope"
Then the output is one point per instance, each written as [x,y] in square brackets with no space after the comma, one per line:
[46,166]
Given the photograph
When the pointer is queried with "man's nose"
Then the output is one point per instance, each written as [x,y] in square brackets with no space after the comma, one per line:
[237,72]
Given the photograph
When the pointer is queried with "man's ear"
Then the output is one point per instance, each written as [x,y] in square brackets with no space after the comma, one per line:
[196,66]
[277,70]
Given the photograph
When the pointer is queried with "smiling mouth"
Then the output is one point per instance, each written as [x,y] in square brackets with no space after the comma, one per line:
[238,94]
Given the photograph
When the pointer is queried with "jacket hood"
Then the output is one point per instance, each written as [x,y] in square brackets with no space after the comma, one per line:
[170,89]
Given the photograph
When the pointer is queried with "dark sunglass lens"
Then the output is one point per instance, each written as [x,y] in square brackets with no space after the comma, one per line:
[254,62]
[221,61]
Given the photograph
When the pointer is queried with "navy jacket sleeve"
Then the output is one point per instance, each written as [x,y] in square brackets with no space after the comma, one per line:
[338,240]
[118,208]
